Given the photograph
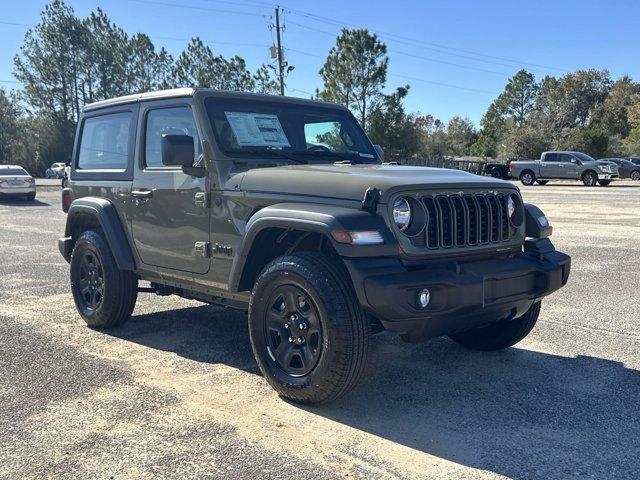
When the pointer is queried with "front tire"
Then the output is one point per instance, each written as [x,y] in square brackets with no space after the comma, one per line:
[589,179]
[104,295]
[499,335]
[527,178]
[308,333]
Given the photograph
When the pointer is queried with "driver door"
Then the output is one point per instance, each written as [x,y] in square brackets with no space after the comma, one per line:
[170,213]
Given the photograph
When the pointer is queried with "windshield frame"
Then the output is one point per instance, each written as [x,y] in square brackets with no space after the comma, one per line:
[214,105]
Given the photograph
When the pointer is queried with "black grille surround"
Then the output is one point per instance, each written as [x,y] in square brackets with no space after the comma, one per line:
[470,220]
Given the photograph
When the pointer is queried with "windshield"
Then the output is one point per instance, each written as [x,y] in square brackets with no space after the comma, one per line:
[13,171]
[299,133]
[584,157]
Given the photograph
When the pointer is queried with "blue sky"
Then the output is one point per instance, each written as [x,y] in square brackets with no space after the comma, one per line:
[457,56]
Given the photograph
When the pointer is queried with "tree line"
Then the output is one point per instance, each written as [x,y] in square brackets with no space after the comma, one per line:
[66,62]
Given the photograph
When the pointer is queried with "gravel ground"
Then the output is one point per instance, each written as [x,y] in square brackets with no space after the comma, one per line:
[175,393]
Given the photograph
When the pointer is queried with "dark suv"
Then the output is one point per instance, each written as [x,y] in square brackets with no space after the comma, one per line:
[284,208]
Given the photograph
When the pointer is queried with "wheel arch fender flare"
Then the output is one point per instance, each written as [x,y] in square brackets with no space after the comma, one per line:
[317,218]
[95,211]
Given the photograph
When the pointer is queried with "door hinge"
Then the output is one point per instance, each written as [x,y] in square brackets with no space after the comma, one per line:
[203,249]
[201,199]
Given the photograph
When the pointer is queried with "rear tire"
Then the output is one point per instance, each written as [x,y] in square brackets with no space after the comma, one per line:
[589,179]
[542,182]
[527,177]
[324,359]
[635,175]
[104,295]
[500,335]
[604,183]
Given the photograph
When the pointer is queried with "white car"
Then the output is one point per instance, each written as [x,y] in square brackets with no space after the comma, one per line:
[15,181]
[56,170]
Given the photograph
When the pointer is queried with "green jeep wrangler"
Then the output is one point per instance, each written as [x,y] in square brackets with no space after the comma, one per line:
[282,207]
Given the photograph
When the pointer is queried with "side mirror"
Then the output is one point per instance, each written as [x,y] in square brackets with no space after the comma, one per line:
[177,150]
[379,151]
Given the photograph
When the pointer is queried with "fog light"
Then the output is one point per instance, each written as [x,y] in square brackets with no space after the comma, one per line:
[423,298]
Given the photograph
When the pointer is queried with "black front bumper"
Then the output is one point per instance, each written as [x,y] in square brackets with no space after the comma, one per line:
[463,294]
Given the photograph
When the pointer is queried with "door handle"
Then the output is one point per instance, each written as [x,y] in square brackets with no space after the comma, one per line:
[142,194]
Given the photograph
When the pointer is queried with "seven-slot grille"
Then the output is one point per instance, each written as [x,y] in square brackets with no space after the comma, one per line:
[461,220]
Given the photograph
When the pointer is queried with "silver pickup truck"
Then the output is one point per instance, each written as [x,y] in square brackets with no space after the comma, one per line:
[564,165]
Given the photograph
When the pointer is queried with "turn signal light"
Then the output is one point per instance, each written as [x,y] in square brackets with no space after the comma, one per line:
[365,237]
[66,199]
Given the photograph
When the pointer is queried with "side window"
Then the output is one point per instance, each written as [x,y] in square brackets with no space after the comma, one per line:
[551,157]
[564,158]
[327,134]
[105,142]
[167,121]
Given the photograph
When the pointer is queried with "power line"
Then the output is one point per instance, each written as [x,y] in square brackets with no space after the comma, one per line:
[306,27]
[406,77]
[442,84]
[195,7]
[416,42]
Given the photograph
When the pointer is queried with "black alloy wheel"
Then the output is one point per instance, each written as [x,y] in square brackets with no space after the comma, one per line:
[91,282]
[293,331]
[104,295]
[308,333]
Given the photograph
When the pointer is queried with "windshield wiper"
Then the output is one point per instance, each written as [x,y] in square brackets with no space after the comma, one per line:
[273,153]
[323,154]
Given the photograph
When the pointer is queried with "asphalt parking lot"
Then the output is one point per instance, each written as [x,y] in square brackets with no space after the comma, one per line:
[176,393]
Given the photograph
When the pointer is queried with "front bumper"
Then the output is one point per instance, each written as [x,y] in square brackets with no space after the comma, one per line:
[463,295]
[608,176]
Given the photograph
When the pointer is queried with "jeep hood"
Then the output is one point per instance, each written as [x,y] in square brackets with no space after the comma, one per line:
[350,182]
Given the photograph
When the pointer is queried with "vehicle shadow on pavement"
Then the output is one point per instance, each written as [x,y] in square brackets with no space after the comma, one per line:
[519,413]
[204,334]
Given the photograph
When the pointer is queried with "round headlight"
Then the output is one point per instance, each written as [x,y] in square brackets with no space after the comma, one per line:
[515,210]
[401,213]
[511,207]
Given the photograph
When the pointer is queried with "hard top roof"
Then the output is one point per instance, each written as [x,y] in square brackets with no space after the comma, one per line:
[190,92]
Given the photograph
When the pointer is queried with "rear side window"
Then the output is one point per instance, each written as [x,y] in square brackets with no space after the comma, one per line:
[105,142]
[167,121]
[551,157]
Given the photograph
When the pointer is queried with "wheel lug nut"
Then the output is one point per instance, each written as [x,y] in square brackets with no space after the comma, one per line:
[303,326]
[290,339]
[293,317]
[300,340]
[286,325]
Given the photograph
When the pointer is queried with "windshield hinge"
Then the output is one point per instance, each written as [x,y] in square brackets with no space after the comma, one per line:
[203,249]
[370,200]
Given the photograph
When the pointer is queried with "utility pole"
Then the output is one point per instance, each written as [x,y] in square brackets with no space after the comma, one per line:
[281,63]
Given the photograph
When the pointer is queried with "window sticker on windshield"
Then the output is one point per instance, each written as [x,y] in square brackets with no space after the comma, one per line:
[257,129]
[366,155]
